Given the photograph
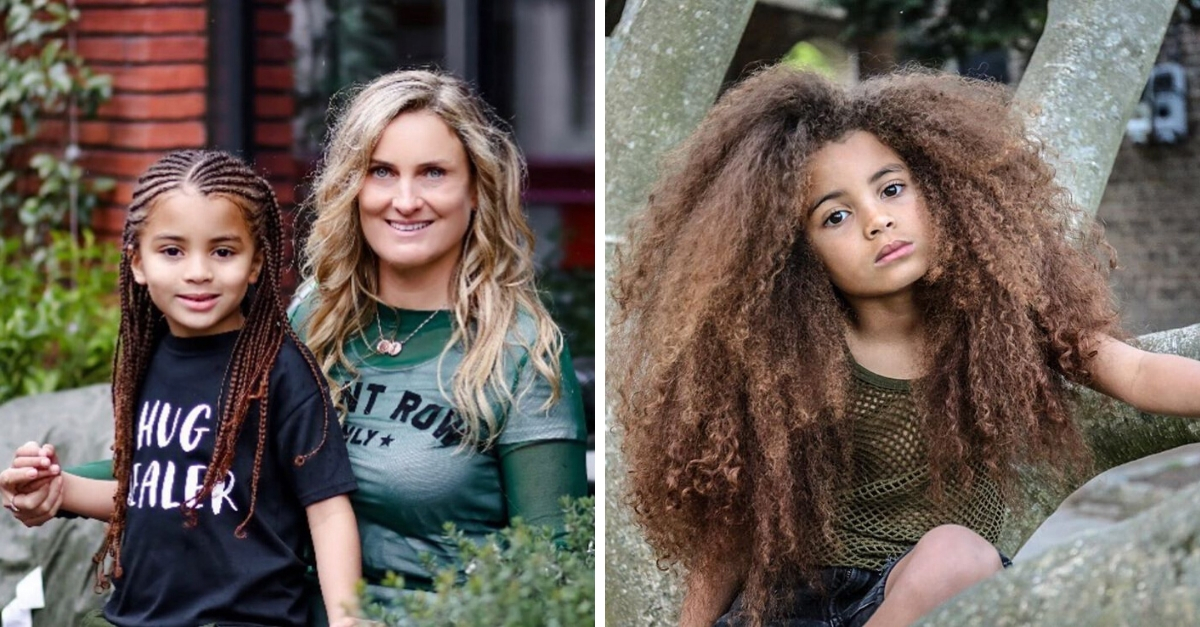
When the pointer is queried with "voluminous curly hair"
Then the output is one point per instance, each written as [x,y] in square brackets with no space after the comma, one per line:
[727,345]
[494,279]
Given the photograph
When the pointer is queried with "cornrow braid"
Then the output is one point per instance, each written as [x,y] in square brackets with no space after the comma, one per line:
[247,376]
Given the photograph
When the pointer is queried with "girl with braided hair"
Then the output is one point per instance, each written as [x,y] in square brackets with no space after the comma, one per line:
[227,453]
[844,319]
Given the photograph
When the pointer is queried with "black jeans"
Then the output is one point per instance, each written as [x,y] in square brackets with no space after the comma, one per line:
[851,597]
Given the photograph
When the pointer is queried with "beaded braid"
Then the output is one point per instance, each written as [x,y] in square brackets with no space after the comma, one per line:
[247,377]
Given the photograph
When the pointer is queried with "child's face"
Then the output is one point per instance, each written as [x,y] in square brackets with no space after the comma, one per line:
[867,219]
[197,258]
[415,203]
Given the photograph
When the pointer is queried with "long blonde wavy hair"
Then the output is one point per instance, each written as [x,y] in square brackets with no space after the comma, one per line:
[494,279]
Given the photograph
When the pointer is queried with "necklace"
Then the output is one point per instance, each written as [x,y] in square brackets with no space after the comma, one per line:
[391,347]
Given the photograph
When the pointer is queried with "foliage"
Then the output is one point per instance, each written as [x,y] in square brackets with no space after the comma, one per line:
[805,56]
[521,576]
[60,320]
[570,296]
[57,289]
[932,31]
[951,29]
[42,78]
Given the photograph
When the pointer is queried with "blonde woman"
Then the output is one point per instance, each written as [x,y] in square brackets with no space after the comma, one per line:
[457,392]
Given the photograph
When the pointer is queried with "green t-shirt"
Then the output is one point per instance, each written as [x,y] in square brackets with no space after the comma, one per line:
[401,431]
[888,505]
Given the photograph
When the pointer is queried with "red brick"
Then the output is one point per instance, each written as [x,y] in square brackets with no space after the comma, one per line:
[273,77]
[143,21]
[123,193]
[285,192]
[53,131]
[128,106]
[109,220]
[269,106]
[276,164]
[268,48]
[144,49]
[276,134]
[272,20]
[129,165]
[146,135]
[152,78]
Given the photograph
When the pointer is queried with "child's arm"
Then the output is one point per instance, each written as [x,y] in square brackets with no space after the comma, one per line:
[1152,382]
[92,498]
[339,557]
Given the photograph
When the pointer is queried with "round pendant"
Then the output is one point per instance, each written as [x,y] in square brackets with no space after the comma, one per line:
[388,347]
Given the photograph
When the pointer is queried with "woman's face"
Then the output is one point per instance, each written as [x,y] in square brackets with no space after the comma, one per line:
[416,199]
[866,218]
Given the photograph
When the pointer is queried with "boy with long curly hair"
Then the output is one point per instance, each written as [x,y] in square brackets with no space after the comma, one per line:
[844,319]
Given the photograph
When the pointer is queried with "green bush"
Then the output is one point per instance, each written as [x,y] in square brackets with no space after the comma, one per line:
[57,285]
[59,328]
[520,577]
[43,78]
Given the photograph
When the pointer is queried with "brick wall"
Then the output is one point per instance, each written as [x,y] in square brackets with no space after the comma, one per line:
[156,56]
[157,52]
[1151,212]
[274,108]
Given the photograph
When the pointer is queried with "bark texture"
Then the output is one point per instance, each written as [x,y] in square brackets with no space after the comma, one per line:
[1083,80]
[664,65]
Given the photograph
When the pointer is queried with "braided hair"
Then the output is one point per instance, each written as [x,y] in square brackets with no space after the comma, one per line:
[213,175]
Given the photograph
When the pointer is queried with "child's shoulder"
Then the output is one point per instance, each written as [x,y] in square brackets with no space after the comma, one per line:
[296,373]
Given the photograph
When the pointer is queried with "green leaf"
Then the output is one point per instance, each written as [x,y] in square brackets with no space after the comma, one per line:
[51,51]
[102,185]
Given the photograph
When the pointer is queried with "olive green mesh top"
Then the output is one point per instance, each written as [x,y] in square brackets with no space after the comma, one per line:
[887,506]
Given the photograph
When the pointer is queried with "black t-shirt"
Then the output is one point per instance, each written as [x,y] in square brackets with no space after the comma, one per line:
[178,576]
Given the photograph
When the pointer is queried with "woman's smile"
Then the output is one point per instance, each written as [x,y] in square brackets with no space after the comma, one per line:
[409,227]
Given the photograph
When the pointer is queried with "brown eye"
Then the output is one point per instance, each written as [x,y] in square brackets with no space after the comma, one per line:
[836,218]
[893,190]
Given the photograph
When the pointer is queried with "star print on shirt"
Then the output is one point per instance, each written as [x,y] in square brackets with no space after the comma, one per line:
[387,440]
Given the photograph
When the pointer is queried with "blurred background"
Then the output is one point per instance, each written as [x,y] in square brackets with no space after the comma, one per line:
[94,91]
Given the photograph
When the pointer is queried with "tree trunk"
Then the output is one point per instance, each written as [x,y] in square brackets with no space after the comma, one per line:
[664,66]
[1083,80]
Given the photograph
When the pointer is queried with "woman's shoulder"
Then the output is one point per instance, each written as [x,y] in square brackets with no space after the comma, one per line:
[528,328]
[524,329]
[301,306]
